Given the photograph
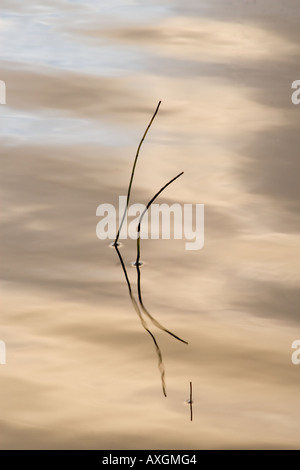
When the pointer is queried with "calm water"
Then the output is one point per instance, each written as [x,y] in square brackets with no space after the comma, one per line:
[83,79]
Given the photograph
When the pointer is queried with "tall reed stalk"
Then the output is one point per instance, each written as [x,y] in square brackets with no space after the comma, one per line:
[116,246]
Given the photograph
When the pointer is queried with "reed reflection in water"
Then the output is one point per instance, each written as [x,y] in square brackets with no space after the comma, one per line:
[138,263]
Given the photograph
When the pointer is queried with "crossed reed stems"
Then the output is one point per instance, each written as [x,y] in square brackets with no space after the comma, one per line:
[139,306]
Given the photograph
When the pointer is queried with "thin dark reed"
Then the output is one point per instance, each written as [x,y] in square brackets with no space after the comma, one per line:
[133,170]
[191,401]
[115,244]
[144,324]
[137,264]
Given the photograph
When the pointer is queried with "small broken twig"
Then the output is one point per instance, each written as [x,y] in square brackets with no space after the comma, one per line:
[191,400]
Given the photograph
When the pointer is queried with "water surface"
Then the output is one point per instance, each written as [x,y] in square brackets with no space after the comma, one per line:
[83,79]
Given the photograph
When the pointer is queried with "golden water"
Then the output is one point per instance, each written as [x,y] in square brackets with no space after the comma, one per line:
[83,79]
